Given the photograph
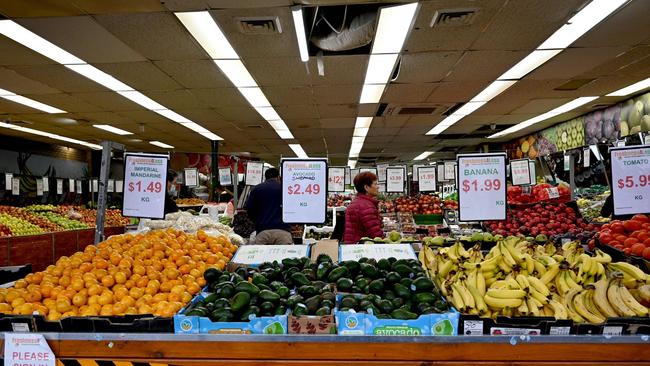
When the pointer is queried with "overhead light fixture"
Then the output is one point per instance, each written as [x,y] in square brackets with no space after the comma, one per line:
[115,130]
[297,149]
[31,103]
[352,164]
[380,68]
[423,156]
[529,63]
[49,135]
[255,97]
[393,27]
[299,26]
[578,102]
[371,93]
[278,125]
[100,77]
[284,134]
[168,113]
[27,38]
[363,122]
[360,132]
[236,72]
[207,32]
[141,99]
[195,127]
[268,113]
[491,91]
[631,89]
[445,123]
[161,144]
[210,136]
[468,108]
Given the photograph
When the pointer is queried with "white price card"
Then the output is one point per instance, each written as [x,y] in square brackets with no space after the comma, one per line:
[630,179]
[553,192]
[520,172]
[336,179]
[15,186]
[8,177]
[95,185]
[441,172]
[567,162]
[533,172]
[110,187]
[90,186]
[481,186]
[355,252]
[381,187]
[191,176]
[414,170]
[71,185]
[348,178]
[369,170]
[59,186]
[258,254]
[225,178]
[79,187]
[450,171]
[304,191]
[39,187]
[119,186]
[46,184]
[27,349]
[254,171]
[353,173]
[381,172]
[586,158]
[395,177]
[620,143]
[426,178]
[145,181]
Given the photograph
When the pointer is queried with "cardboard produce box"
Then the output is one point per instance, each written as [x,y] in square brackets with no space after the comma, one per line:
[312,324]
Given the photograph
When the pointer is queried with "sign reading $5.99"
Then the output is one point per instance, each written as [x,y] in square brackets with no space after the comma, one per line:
[630,179]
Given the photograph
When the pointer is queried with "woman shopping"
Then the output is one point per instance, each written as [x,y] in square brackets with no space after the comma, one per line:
[362,215]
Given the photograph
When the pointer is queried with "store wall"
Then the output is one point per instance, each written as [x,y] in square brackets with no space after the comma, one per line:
[606,125]
[40,165]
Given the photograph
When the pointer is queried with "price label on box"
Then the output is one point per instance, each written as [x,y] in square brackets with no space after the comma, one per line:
[145,180]
[191,176]
[395,178]
[520,172]
[304,191]
[258,254]
[481,187]
[426,178]
[39,187]
[553,192]
[254,172]
[110,187]
[355,252]
[630,179]
[336,179]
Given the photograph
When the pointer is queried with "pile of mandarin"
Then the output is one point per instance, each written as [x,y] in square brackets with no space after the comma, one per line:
[157,273]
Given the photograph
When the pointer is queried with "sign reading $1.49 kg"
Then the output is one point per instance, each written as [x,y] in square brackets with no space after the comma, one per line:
[481,187]
[631,179]
[304,191]
[145,185]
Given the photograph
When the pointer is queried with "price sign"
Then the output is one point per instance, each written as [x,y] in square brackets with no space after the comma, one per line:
[145,178]
[381,187]
[520,172]
[258,254]
[39,187]
[441,172]
[15,186]
[630,180]
[27,349]
[553,192]
[586,157]
[8,177]
[95,185]
[111,186]
[191,176]
[353,173]
[414,171]
[450,172]
[336,179]
[369,170]
[71,185]
[381,172]
[395,179]
[426,178]
[79,188]
[59,186]
[90,186]
[119,186]
[355,252]
[533,172]
[46,184]
[225,178]
[482,188]
[348,178]
[254,172]
[567,162]
[304,190]
[646,139]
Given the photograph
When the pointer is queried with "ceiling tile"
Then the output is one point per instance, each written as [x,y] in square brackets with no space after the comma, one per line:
[540,106]
[221,97]
[484,65]
[622,28]
[140,75]
[426,67]
[66,102]
[16,83]
[13,53]
[337,94]
[290,95]
[336,124]
[59,77]
[38,8]
[176,99]
[456,91]
[574,61]
[407,93]
[345,69]
[110,101]
[194,73]
[118,6]
[275,71]
[296,111]
[336,110]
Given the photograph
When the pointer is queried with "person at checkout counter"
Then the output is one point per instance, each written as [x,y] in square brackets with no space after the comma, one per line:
[264,207]
[170,205]
[362,217]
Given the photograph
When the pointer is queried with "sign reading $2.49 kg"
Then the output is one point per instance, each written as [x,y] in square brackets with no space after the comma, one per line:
[304,190]
[631,179]
[145,177]
[482,187]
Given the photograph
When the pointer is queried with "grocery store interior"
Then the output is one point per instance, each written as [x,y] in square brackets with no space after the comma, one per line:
[295,182]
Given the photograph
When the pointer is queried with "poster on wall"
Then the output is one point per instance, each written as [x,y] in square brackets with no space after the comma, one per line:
[304,191]
[145,178]
[254,171]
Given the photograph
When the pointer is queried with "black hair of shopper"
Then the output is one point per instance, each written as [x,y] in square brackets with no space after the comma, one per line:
[171,174]
[271,173]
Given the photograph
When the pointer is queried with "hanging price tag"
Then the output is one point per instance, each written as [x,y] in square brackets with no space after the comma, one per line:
[110,187]
[369,170]
[225,178]
[348,178]
[46,184]
[395,180]
[440,169]
[646,139]
[426,178]
[39,187]
[15,186]
[191,176]
[90,186]
[119,186]
[553,192]
[630,180]
[620,143]
[8,177]
[145,185]
[586,157]
[533,172]
[71,185]
[353,173]
[450,171]
[95,185]
[381,172]
[414,171]
[336,179]
[59,186]
[520,172]
[304,190]
[254,172]
[567,162]
[481,187]
[79,188]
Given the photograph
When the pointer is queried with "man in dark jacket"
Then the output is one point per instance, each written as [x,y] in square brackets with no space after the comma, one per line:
[264,207]
[170,205]
[362,217]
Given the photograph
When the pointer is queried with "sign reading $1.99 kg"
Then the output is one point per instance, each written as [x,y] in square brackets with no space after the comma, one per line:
[481,187]
[304,191]
[145,177]
[630,179]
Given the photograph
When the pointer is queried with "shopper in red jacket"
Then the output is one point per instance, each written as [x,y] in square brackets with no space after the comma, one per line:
[362,216]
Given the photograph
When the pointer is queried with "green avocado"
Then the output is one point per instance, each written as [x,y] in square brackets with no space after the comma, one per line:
[240,301]
[343,284]
[247,287]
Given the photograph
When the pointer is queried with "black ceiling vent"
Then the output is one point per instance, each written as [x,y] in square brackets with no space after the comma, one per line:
[451,136]
[601,105]
[254,126]
[259,25]
[453,18]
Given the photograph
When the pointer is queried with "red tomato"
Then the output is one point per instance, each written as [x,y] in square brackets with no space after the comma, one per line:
[629,242]
[617,227]
[646,226]
[646,253]
[632,225]
[627,251]
[615,243]
[621,238]
[605,227]
[637,249]
[646,242]
[605,238]
[641,218]
[642,235]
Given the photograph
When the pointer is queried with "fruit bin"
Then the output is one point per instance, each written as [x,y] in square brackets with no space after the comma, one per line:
[474,325]
[619,255]
[106,324]
[427,219]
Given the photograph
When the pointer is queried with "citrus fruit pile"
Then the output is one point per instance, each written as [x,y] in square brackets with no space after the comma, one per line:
[153,273]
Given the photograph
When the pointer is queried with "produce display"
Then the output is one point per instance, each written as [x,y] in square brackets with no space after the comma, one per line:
[152,273]
[31,217]
[18,226]
[538,193]
[519,278]
[393,237]
[311,233]
[40,208]
[590,208]
[62,221]
[244,226]
[337,200]
[190,201]
[423,204]
[112,217]
[631,236]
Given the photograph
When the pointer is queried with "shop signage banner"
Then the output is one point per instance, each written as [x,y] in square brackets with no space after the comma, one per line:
[381,172]
[355,252]
[191,177]
[27,349]
[520,172]
[482,186]
[630,179]
[15,186]
[426,178]
[8,177]
[336,179]
[254,171]
[257,254]
[441,172]
[110,187]
[395,179]
[59,186]
[533,172]
[225,178]
[71,185]
[304,191]
[46,184]
[145,180]
[39,187]
[450,171]
[79,187]
[119,186]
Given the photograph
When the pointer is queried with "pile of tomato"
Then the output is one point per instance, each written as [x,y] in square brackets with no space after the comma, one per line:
[631,236]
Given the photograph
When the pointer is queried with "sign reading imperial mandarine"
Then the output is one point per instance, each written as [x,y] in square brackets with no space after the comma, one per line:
[145,185]
[630,179]
[481,186]
[304,191]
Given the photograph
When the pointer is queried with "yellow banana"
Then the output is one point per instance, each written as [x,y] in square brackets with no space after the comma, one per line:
[600,299]
[561,284]
[628,269]
[571,281]
[468,300]
[457,299]
[589,302]
[581,308]
[506,294]
[523,309]
[532,307]
[522,281]
[539,285]
[537,295]
[445,268]
[506,255]
[514,253]
[539,268]
[512,283]
[568,302]
[550,274]
[615,299]
[489,265]
[631,302]
[479,301]
[602,257]
[499,303]
[480,283]
[559,310]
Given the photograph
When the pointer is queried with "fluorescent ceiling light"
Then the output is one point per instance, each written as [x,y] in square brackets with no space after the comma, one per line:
[353,154]
[445,123]
[284,134]
[115,130]
[5,92]
[528,64]
[297,149]
[363,122]
[161,144]
[630,89]
[236,72]
[49,135]
[141,99]
[194,127]
[211,136]
[468,108]
[581,23]
[255,97]
[299,26]
[278,125]
[100,77]
[380,68]
[32,103]
[18,33]
[167,113]
[497,87]
[352,164]
[206,31]
[360,132]
[358,140]
[392,28]
[268,113]
[423,156]
[371,93]
[578,102]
